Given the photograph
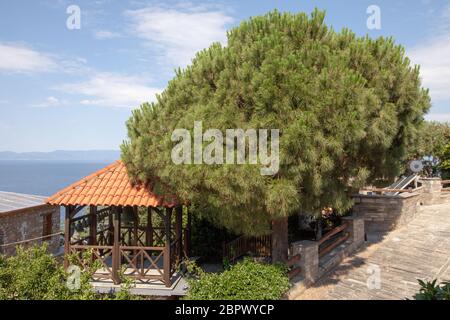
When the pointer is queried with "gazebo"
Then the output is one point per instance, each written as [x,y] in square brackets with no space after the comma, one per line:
[126,227]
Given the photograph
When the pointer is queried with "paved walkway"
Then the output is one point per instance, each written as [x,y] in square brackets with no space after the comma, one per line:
[389,268]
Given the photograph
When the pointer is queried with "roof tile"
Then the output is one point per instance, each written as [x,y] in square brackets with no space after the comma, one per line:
[109,186]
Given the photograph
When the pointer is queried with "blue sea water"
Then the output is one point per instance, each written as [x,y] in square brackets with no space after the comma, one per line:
[41,177]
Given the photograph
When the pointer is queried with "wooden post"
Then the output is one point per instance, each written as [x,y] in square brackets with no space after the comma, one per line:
[167,253]
[187,240]
[179,231]
[280,242]
[67,218]
[116,246]
[136,232]
[149,233]
[111,226]
[93,225]
[119,218]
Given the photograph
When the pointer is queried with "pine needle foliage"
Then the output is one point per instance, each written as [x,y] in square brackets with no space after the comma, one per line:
[347,108]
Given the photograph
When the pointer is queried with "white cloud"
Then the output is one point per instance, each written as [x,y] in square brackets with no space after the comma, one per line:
[434,60]
[433,56]
[50,102]
[105,34]
[179,33]
[112,90]
[18,58]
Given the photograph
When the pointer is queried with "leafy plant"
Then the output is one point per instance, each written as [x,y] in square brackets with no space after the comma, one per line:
[445,164]
[34,274]
[430,290]
[432,146]
[247,280]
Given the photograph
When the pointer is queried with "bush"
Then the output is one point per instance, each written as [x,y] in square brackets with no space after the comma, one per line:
[34,274]
[247,280]
[430,290]
[445,158]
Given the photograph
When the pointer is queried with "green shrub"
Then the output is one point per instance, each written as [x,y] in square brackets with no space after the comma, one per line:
[34,274]
[445,158]
[247,280]
[430,290]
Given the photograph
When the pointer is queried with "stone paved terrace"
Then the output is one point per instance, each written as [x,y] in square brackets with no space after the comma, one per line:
[419,250]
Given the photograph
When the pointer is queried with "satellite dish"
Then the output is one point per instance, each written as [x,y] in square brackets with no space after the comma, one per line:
[416,166]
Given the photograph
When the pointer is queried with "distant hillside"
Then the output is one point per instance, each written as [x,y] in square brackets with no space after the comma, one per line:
[63,155]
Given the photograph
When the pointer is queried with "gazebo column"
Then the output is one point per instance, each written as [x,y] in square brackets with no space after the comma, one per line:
[179,231]
[67,220]
[111,226]
[167,253]
[93,225]
[187,233]
[135,226]
[116,246]
[149,233]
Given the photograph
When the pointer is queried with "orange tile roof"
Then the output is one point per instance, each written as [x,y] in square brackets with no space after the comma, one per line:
[110,186]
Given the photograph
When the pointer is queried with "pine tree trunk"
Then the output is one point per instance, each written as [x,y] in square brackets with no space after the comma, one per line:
[280,240]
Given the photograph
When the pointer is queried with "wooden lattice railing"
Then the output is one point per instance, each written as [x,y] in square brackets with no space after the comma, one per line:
[143,263]
[156,234]
[140,263]
[103,254]
[260,246]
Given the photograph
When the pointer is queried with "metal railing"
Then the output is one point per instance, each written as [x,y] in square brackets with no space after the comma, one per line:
[260,246]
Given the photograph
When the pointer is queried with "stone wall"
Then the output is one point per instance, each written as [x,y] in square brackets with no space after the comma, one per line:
[445,197]
[384,213]
[312,267]
[431,193]
[28,224]
[371,214]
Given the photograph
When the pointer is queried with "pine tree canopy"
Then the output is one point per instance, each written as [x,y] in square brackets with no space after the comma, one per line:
[347,108]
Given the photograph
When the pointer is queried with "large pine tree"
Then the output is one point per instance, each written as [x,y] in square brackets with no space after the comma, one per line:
[347,108]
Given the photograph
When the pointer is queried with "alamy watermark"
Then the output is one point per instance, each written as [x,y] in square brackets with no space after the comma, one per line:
[73,22]
[374,278]
[73,281]
[374,19]
[237,151]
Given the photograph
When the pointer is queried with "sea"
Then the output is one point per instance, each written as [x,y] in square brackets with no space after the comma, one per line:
[43,177]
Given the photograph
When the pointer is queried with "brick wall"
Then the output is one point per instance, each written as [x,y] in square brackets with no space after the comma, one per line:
[28,224]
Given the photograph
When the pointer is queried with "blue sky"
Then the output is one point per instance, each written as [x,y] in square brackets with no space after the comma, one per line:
[74,89]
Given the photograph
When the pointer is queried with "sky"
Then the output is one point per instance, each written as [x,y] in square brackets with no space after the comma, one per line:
[70,86]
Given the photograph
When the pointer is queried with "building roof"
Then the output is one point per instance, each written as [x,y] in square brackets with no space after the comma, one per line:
[11,201]
[110,186]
